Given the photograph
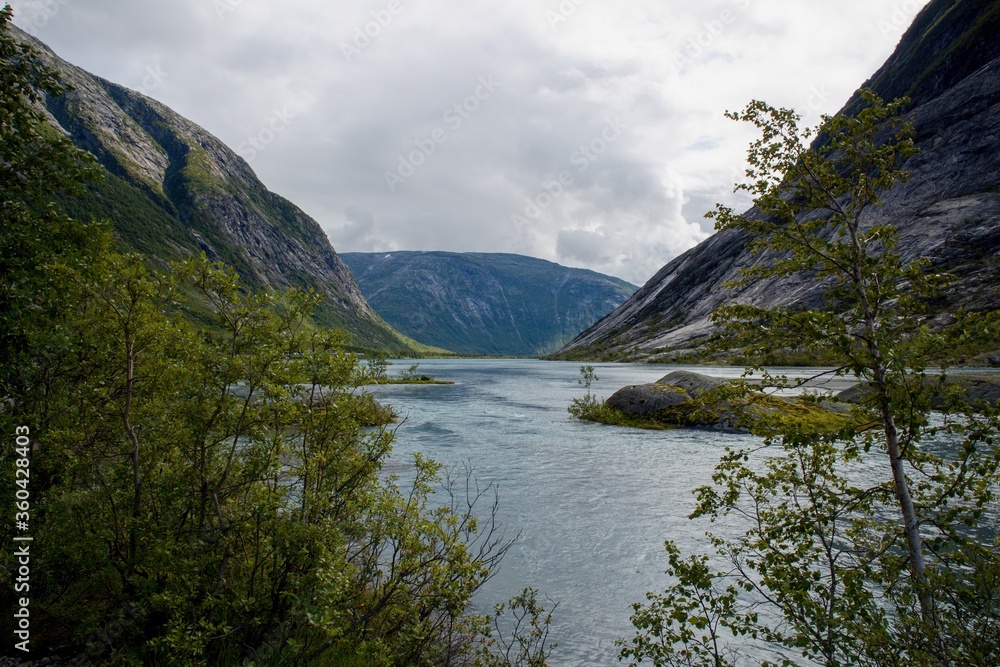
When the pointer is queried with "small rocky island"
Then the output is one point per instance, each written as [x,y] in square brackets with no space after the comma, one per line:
[684,399]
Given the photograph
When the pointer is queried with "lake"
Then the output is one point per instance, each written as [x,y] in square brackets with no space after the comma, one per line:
[593,504]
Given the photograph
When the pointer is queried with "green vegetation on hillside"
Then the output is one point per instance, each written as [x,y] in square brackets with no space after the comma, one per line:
[142,220]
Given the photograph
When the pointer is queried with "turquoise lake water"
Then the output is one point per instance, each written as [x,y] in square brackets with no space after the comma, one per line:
[593,504]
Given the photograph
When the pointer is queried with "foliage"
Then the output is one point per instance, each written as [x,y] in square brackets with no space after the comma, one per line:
[686,625]
[588,408]
[412,375]
[206,498]
[378,373]
[854,561]
[377,366]
[35,162]
[588,376]
[593,409]
[525,642]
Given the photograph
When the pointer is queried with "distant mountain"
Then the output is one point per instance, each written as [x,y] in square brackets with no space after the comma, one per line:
[948,63]
[492,304]
[171,189]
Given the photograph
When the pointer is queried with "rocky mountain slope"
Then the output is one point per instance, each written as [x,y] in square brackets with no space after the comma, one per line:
[476,303]
[948,63]
[172,189]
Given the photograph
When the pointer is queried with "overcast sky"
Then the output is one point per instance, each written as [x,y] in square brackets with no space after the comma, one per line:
[587,132]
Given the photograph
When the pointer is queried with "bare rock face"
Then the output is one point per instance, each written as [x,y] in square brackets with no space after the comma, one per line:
[172,189]
[948,63]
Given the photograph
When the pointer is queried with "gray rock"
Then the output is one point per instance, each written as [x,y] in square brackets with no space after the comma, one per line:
[693,384]
[977,391]
[672,401]
[855,394]
[980,391]
[669,399]
[647,400]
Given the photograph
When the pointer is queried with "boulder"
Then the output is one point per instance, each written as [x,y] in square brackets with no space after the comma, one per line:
[977,391]
[647,400]
[980,391]
[693,384]
[670,400]
[855,394]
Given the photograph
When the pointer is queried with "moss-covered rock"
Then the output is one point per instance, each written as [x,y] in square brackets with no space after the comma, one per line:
[647,400]
[975,391]
[684,399]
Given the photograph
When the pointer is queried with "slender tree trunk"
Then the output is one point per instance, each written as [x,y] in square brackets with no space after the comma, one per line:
[911,528]
[908,512]
[911,524]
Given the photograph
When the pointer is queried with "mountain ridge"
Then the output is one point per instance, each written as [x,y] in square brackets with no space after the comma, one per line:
[484,303]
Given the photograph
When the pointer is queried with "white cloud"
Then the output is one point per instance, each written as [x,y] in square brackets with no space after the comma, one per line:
[667,68]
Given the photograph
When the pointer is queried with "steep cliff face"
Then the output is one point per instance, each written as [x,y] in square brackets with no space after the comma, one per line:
[948,62]
[172,189]
[479,303]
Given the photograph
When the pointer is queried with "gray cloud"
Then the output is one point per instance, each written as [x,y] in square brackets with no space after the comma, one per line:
[362,104]
[359,229]
[583,246]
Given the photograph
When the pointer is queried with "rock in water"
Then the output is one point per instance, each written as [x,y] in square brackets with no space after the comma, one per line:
[693,384]
[648,400]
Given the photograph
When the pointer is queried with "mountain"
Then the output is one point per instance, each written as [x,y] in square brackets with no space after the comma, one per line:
[171,189]
[477,303]
[948,63]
